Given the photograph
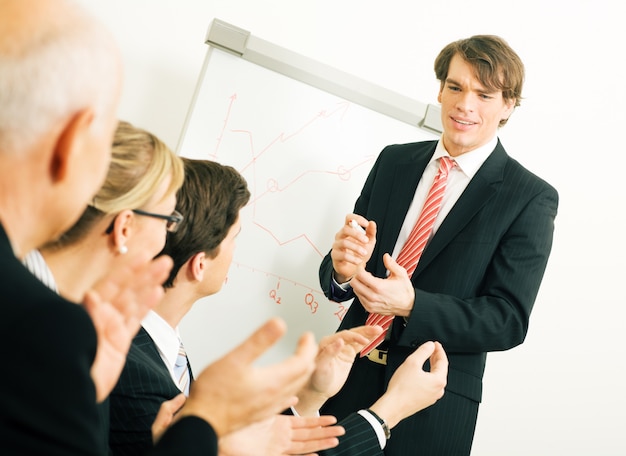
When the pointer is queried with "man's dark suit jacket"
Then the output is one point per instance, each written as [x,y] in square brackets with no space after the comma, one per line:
[475,286]
[145,383]
[47,397]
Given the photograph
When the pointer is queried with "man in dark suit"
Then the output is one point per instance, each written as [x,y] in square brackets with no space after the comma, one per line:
[60,72]
[477,279]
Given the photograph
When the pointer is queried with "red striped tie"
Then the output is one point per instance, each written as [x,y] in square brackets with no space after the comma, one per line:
[415,244]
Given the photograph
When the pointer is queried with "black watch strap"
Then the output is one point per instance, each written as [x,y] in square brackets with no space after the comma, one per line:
[383,423]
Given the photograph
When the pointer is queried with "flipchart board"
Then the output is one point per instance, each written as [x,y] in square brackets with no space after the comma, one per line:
[304,136]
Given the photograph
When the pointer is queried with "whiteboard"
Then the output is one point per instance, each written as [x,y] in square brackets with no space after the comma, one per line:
[305,154]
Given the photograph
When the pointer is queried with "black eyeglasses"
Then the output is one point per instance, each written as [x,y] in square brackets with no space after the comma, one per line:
[173,221]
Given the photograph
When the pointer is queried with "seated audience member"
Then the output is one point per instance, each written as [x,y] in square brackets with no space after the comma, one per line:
[132,212]
[60,80]
[157,368]
[212,197]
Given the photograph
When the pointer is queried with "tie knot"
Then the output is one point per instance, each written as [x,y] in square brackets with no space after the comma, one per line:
[446,162]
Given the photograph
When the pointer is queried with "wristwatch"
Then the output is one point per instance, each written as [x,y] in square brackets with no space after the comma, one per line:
[383,423]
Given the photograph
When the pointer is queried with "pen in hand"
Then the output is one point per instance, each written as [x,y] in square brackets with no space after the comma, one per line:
[354,224]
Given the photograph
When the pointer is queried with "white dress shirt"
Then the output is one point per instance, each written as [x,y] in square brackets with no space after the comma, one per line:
[35,263]
[467,165]
[166,338]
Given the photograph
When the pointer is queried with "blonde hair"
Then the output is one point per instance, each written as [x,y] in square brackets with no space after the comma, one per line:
[139,164]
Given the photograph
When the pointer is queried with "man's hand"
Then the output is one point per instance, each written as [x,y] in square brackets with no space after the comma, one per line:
[391,296]
[117,304]
[282,435]
[412,389]
[352,248]
[165,417]
[332,365]
[232,393]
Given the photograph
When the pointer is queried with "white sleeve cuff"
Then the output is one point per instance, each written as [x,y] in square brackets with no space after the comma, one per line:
[376,426]
[295,412]
[344,286]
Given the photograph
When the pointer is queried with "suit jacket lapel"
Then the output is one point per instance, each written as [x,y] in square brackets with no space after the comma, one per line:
[480,189]
[144,343]
[406,177]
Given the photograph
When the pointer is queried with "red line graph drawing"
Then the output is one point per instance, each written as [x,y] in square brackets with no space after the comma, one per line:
[279,277]
[288,241]
[262,187]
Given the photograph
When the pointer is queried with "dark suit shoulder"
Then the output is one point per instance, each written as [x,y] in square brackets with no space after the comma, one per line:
[514,169]
[411,151]
[56,341]
[501,166]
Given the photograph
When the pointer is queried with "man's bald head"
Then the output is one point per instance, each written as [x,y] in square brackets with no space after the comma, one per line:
[60,83]
[54,61]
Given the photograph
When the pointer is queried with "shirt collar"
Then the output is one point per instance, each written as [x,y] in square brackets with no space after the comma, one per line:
[469,162]
[166,338]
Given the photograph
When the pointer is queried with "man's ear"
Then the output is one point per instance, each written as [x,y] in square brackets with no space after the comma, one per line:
[198,266]
[509,108]
[70,143]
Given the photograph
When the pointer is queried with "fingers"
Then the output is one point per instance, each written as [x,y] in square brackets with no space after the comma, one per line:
[292,373]
[439,360]
[365,230]
[422,353]
[298,422]
[353,244]
[307,348]
[165,416]
[359,337]
[160,268]
[92,300]
[331,345]
[362,334]
[367,331]
[370,230]
[360,224]
[313,434]
[354,338]
[393,267]
[173,405]
[260,341]
[300,366]
[135,288]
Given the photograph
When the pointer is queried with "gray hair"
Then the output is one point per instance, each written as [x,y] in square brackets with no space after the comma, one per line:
[47,74]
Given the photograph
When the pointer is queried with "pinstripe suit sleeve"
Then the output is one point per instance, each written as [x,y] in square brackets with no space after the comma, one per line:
[189,436]
[359,439]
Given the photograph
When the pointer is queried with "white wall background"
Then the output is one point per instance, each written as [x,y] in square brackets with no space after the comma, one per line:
[562,391]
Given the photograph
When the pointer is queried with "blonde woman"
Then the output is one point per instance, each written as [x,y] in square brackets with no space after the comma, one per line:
[132,212]
[129,217]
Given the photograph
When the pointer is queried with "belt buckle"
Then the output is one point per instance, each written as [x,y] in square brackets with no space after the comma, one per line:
[378,356]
